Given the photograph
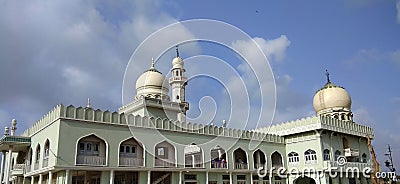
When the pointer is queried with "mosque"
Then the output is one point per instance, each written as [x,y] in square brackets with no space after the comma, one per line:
[148,141]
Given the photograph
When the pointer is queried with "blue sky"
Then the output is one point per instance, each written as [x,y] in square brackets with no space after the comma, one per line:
[55,52]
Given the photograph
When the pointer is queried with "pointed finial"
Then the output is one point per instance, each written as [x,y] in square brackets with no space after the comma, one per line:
[177,51]
[327,76]
[152,63]
[88,103]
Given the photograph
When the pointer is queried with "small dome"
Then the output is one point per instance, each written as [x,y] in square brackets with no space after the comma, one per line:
[332,97]
[152,84]
[177,62]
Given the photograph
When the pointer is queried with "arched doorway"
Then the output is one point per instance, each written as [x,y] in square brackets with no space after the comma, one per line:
[304,180]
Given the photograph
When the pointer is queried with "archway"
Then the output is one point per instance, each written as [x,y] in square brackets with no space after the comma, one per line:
[304,180]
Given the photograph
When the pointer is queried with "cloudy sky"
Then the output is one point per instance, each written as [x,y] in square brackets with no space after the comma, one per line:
[55,52]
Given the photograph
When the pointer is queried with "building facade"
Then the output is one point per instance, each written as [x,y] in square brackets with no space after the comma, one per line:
[148,141]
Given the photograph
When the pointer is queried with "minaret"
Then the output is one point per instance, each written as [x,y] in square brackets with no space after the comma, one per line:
[178,82]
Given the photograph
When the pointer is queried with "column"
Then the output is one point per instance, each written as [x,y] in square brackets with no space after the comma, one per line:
[230,178]
[251,178]
[9,165]
[112,177]
[50,177]
[40,179]
[148,177]
[3,163]
[66,176]
[207,177]
[32,180]
[180,177]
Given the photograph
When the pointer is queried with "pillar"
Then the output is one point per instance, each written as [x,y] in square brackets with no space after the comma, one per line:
[40,179]
[9,165]
[112,177]
[180,177]
[32,180]
[207,177]
[66,176]
[148,177]
[230,178]
[3,163]
[50,177]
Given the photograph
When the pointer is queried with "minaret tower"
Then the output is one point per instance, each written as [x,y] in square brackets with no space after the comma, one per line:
[178,83]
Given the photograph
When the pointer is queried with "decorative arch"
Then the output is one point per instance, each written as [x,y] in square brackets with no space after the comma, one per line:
[131,153]
[218,157]
[46,153]
[193,156]
[310,156]
[277,160]
[259,159]
[293,158]
[240,159]
[165,154]
[91,150]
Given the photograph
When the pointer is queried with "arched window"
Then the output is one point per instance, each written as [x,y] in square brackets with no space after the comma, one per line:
[364,158]
[193,156]
[37,154]
[310,156]
[91,151]
[218,158]
[165,155]
[345,143]
[327,155]
[276,158]
[259,159]
[337,154]
[293,158]
[131,153]
[46,150]
[240,157]
[46,153]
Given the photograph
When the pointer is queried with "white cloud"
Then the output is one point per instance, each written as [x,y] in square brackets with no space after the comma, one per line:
[78,49]
[274,49]
[290,104]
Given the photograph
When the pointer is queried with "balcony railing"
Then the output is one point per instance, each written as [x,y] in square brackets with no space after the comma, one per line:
[241,165]
[18,169]
[257,165]
[28,168]
[351,152]
[45,162]
[164,163]
[91,160]
[129,161]
[36,166]
[219,165]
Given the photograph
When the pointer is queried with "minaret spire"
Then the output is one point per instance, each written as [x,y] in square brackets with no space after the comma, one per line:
[327,76]
[177,51]
[152,63]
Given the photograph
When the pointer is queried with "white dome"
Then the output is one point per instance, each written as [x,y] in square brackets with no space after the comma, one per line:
[152,84]
[331,97]
[177,62]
